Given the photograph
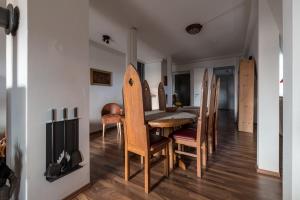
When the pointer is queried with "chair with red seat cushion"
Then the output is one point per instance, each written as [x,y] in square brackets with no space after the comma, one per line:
[111,115]
[137,138]
[195,138]
[188,134]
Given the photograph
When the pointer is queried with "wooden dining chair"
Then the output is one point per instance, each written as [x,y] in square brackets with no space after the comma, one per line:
[147,99]
[137,137]
[211,116]
[111,115]
[162,102]
[192,137]
[216,112]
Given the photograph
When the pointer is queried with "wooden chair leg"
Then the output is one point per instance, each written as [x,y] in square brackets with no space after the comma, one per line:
[103,130]
[216,139]
[147,174]
[199,155]
[171,155]
[204,155]
[210,144]
[127,165]
[166,161]
[120,128]
[179,149]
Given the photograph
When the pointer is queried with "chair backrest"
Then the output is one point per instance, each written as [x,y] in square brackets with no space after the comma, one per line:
[147,100]
[161,97]
[136,132]
[212,105]
[111,108]
[201,124]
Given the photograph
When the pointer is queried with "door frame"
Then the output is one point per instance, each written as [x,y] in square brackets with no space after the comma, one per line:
[191,83]
[236,75]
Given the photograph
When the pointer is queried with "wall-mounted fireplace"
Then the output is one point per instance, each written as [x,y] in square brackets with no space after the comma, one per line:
[62,145]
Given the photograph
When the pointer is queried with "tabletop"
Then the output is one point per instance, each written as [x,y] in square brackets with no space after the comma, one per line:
[162,119]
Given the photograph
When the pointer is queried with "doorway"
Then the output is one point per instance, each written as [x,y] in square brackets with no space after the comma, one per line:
[226,75]
[182,88]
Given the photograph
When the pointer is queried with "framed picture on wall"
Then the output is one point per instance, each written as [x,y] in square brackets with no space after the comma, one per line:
[100,77]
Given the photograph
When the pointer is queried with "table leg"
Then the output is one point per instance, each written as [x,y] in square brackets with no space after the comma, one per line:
[166,132]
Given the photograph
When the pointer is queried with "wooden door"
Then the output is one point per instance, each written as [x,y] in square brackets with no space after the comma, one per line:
[246,95]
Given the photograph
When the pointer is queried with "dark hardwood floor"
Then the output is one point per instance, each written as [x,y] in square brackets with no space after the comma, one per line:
[231,172]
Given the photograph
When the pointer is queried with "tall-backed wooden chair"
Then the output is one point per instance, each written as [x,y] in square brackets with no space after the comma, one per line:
[137,137]
[162,102]
[211,116]
[147,99]
[192,137]
[216,112]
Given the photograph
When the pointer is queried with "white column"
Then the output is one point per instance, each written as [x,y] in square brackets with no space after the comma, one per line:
[46,69]
[291,101]
[131,54]
[17,90]
[2,77]
[169,90]
[268,91]
[153,74]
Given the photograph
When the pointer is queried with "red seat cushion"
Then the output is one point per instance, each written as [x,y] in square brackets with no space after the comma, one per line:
[111,119]
[157,141]
[185,134]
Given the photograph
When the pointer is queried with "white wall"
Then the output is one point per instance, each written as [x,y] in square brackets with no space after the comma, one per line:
[16,83]
[291,107]
[50,70]
[251,42]
[268,90]
[253,49]
[252,45]
[197,69]
[153,75]
[2,77]
[104,58]
[276,8]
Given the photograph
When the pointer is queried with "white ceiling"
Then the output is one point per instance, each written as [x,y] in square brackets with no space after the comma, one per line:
[161,27]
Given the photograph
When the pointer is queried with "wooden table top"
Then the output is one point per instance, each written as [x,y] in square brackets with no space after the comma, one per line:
[161,119]
[190,109]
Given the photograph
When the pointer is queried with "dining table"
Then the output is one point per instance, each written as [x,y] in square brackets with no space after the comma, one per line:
[190,109]
[168,121]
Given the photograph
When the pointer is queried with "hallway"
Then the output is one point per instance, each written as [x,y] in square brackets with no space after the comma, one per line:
[230,174]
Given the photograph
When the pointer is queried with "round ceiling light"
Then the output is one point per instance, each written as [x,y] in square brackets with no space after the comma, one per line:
[193,29]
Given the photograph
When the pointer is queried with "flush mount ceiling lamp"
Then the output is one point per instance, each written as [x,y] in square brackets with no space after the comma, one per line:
[193,29]
[106,39]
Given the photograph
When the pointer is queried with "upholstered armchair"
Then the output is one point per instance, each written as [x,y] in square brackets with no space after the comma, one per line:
[111,115]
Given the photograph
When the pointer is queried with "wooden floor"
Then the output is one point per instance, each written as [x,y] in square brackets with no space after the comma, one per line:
[231,172]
